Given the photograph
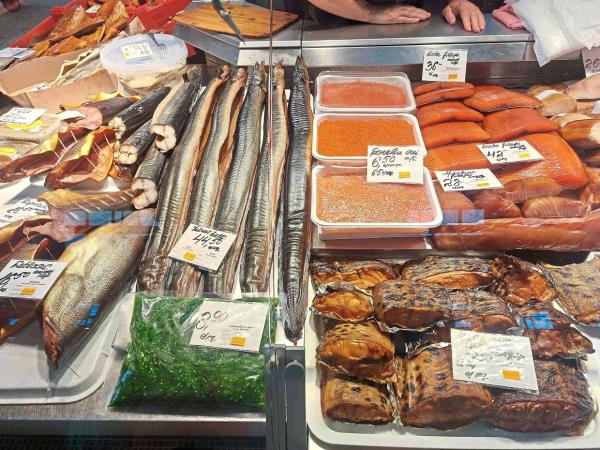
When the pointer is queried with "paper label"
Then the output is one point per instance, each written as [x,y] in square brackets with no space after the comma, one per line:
[545,94]
[135,51]
[8,151]
[93,9]
[203,247]
[467,180]
[29,279]
[22,116]
[387,164]
[444,65]
[510,152]
[493,359]
[16,52]
[230,325]
[591,60]
[70,114]
[596,108]
[12,212]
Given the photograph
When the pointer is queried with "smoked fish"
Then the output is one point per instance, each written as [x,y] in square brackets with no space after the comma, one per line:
[488,99]
[549,207]
[137,114]
[447,112]
[136,145]
[495,206]
[450,272]
[453,133]
[511,123]
[147,178]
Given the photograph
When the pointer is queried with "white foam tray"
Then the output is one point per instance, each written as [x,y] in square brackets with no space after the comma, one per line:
[475,436]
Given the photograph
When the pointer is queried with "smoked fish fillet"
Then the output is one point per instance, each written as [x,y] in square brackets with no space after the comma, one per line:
[496,98]
[447,112]
[440,91]
[512,123]
[494,206]
[456,206]
[456,157]
[453,133]
[553,207]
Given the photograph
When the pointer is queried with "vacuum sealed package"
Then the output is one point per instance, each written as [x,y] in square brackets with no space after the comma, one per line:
[161,367]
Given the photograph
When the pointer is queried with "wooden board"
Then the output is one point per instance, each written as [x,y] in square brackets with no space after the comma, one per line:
[253,21]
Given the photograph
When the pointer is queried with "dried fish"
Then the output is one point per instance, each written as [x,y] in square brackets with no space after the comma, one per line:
[138,113]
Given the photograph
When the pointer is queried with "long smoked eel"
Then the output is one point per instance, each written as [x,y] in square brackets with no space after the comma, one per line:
[135,146]
[147,178]
[138,113]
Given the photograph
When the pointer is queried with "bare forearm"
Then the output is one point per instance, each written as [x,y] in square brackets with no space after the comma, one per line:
[359,10]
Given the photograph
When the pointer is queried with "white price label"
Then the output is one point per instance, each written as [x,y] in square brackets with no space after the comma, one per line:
[493,359]
[22,116]
[16,52]
[596,108]
[135,51]
[510,152]
[203,247]
[230,325]
[444,65]
[29,279]
[23,209]
[591,60]
[70,114]
[467,180]
[93,9]
[386,164]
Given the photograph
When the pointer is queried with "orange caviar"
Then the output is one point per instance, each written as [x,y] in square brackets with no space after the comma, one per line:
[362,94]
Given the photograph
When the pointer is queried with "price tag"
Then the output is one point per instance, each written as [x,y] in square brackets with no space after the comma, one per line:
[467,180]
[70,114]
[230,325]
[16,52]
[93,9]
[22,278]
[444,65]
[23,209]
[591,60]
[203,247]
[510,152]
[386,164]
[135,51]
[493,359]
[8,151]
[596,108]
[22,116]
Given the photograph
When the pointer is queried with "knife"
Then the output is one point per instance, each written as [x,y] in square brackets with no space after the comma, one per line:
[218,6]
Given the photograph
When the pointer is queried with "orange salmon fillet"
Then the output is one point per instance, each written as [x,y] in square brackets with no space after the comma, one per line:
[453,132]
[512,123]
[496,98]
[446,112]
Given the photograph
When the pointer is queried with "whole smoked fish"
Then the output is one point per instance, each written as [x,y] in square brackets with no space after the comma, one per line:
[147,178]
[135,146]
[137,114]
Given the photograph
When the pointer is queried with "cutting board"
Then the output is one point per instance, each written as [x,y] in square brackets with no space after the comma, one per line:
[253,21]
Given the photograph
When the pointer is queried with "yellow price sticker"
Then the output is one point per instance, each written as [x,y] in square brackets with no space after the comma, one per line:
[238,341]
[523,155]
[482,185]
[8,151]
[27,291]
[18,126]
[404,174]
[511,375]
[452,76]
[189,256]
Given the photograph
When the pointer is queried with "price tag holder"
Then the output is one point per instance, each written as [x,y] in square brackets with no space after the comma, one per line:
[22,278]
[230,325]
[203,247]
[136,51]
[16,52]
[493,359]
[591,61]
[22,116]
[510,152]
[23,209]
[386,164]
[444,65]
[467,180]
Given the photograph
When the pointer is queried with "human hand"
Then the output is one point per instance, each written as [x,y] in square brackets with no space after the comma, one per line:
[398,14]
[471,16]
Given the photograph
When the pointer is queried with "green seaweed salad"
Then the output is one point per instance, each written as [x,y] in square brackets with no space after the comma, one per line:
[161,367]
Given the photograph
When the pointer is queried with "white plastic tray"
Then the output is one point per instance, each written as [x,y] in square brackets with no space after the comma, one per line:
[475,436]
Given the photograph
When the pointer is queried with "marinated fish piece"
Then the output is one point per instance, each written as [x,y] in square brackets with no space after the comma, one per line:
[450,272]
[577,288]
[496,98]
[169,123]
[495,206]
[590,195]
[511,123]
[138,113]
[453,133]
[264,204]
[295,209]
[519,191]
[136,145]
[101,112]
[147,178]
[519,283]
[446,112]
[358,349]
[99,267]
[429,396]
[549,207]
[586,89]
[456,206]
[440,91]
[553,101]
[343,301]
[350,400]
[563,403]
[231,212]
[583,134]
[14,236]
[362,274]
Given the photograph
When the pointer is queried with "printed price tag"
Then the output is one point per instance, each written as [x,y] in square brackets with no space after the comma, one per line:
[93,9]
[22,116]
[395,164]
[467,180]
[203,247]
[493,359]
[230,325]
[22,278]
[509,152]
[16,52]
[135,51]
[444,65]
[591,60]
[23,209]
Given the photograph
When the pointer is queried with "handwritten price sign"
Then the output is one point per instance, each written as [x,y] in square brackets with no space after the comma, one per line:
[591,61]
[203,247]
[444,65]
[29,279]
[510,152]
[467,180]
[386,164]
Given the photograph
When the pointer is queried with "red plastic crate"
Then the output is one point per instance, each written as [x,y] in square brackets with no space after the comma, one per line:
[36,34]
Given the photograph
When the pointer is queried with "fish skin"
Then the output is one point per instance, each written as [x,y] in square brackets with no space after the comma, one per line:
[99,266]
[551,207]
[296,224]
[186,279]
[230,214]
[262,213]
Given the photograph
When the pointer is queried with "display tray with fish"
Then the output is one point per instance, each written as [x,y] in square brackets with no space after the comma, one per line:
[343,301]
[450,272]
[519,283]
[428,395]
[362,274]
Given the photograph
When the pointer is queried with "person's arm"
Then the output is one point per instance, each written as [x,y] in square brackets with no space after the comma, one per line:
[363,11]
[471,16]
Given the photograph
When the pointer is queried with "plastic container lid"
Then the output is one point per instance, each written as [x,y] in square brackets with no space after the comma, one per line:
[139,54]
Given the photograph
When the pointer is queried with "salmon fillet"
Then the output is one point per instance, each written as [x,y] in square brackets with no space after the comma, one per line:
[496,98]
[512,123]
[453,132]
[456,157]
[494,206]
[446,112]
[549,207]
[440,91]
[426,88]
[519,191]
[590,195]
[456,206]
